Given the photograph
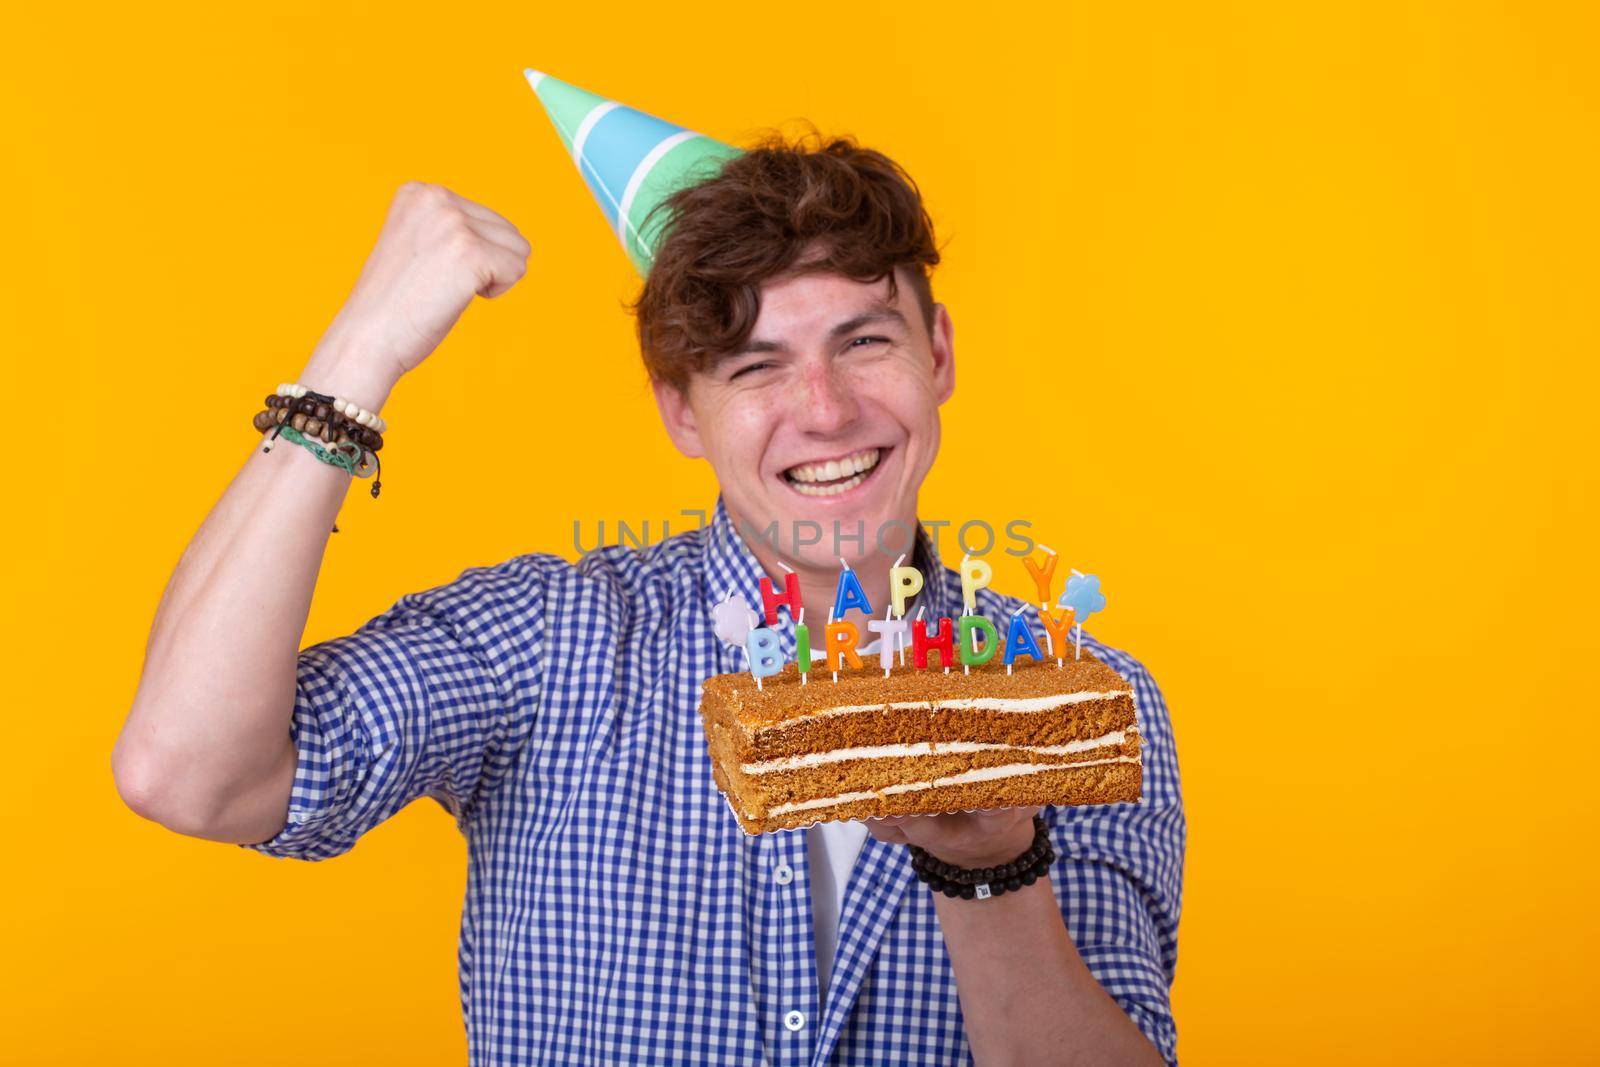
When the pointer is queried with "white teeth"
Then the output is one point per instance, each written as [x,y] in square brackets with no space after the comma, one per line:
[829,490]
[834,469]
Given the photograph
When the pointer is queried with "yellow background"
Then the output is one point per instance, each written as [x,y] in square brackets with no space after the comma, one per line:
[1283,321]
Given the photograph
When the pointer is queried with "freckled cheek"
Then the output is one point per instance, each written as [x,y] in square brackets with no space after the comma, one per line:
[743,425]
[900,389]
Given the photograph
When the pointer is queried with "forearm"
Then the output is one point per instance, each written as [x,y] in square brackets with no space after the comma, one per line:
[1026,995]
[206,741]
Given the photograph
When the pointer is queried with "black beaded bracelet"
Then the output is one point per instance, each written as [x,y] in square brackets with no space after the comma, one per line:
[981,883]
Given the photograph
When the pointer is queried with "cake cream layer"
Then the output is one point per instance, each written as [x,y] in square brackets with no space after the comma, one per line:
[1024,704]
[926,748]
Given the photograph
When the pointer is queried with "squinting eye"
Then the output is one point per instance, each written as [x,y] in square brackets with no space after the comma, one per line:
[852,344]
[745,370]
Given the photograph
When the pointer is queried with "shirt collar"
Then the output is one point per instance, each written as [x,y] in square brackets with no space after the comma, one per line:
[730,565]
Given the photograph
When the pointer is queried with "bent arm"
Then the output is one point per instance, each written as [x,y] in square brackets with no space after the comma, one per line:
[207,747]
[205,750]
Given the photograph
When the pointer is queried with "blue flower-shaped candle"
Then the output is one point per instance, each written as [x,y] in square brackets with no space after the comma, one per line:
[1083,596]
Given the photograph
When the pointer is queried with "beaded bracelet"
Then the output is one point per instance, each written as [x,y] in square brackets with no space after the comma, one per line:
[348,408]
[981,883]
[332,434]
[319,418]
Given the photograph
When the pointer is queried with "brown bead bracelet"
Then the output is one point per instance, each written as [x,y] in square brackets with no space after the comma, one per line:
[327,431]
[314,414]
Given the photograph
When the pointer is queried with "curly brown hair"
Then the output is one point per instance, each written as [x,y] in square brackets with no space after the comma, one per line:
[753,220]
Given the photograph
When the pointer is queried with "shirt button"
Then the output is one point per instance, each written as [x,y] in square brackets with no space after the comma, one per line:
[784,875]
[794,1020]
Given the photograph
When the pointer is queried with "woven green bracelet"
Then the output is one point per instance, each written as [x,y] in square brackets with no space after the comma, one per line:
[338,456]
[334,458]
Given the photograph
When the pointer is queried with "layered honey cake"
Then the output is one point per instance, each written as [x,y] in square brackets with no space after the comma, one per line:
[920,742]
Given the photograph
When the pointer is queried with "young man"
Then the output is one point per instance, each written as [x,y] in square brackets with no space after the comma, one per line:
[615,910]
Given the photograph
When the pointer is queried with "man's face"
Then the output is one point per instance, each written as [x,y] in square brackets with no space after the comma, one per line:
[829,413]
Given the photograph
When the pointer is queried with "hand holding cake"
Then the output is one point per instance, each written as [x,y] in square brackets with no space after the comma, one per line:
[964,838]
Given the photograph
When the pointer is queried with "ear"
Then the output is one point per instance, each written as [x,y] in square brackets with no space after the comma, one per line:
[944,353]
[677,414]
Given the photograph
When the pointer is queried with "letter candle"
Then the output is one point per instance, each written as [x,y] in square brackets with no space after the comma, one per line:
[842,637]
[889,607]
[919,657]
[1041,579]
[885,653]
[1041,575]
[827,656]
[850,594]
[1057,632]
[761,648]
[885,629]
[922,644]
[802,647]
[969,627]
[976,574]
[904,583]
[771,600]
[1019,639]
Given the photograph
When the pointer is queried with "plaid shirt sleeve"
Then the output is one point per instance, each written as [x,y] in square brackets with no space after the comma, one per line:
[1120,873]
[415,703]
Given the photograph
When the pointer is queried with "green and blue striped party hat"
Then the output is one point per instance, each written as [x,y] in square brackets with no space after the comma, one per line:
[631,161]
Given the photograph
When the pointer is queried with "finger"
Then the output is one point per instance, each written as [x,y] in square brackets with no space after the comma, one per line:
[477,210]
[1027,814]
[506,268]
[503,234]
[888,834]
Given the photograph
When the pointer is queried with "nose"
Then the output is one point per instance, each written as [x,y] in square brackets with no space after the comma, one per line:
[828,401]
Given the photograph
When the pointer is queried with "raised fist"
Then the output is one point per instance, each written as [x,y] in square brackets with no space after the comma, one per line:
[437,250]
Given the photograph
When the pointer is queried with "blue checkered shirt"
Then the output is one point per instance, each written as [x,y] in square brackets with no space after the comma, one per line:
[615,912]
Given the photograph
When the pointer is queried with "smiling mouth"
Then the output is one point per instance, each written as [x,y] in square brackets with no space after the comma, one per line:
[835,475]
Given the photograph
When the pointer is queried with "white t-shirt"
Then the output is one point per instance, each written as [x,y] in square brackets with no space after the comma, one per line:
[831,852]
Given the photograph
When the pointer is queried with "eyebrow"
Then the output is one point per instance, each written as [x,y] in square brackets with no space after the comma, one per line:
[850,325]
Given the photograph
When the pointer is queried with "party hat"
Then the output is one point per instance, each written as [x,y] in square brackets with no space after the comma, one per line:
[631,161]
